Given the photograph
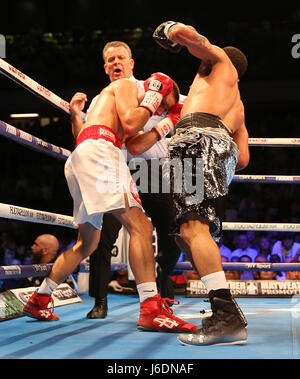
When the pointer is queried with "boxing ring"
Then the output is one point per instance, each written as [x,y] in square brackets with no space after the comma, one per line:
[274,323]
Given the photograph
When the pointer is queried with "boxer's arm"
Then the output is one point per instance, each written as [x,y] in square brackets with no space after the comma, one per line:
[141,142]
[132,116]
[240,137]
[77,104]
[197,44]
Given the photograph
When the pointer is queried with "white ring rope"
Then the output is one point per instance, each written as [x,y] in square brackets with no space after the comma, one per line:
[274,142]
[261,226]
[33,86]
[32,215]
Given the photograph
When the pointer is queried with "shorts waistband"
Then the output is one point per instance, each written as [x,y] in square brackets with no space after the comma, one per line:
[98,132]
[203,120]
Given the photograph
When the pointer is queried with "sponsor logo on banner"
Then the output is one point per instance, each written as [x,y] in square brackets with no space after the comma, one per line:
[45,217]
[62,295]
[25,136]
[20,212]
[248,288]
[42,143]
[11,129]
[267,266]
[12,270]
[257,140]
[40,268]
[10,306]
[44,91]
[65,104]
[17,72]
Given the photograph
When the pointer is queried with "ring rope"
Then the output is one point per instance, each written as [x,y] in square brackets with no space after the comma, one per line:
[43,269]
[261,226]
[33,86]
[37,216]
[25,271]
[248,266]
[274,142]
[265,179]
[32,142]
[39,145]
[31,215]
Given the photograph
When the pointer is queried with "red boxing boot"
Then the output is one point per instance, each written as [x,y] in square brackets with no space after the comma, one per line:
[37,307]
[157,316]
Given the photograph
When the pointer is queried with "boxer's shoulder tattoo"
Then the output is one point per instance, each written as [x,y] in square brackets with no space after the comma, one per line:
[202,40]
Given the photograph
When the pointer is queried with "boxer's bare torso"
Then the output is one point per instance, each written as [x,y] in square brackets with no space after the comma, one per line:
[215,90]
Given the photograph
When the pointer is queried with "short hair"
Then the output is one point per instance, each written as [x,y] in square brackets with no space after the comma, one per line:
[116,44]
[238,59]
[176,91]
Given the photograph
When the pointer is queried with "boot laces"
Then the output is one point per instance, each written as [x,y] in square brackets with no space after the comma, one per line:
[165,304]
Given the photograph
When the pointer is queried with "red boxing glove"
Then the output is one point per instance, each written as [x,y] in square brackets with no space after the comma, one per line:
[159,82]
[174,113]
[157,86]
[168,124]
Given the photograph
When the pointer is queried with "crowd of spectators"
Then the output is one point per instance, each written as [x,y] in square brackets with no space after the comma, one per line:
[254,247]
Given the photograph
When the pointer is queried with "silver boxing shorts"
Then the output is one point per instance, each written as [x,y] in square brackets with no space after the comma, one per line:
[202,157]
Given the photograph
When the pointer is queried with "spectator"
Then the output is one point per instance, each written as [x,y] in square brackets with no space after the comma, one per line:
[276,259]
[252,239]
[9,250]
[293,275]
[264,247]
[244,248]
[44,249]
[230,274]
[246,275]
[263,275]
[286,247]
[224,250]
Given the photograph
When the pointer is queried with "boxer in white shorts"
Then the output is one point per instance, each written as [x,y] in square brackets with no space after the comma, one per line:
[98,166]
[99,182]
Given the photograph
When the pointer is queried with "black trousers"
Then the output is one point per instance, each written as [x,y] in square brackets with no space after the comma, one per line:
[159,207]
[100,260]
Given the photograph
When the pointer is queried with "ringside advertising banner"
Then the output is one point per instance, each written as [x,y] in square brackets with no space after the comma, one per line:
[250,288]
[13,301]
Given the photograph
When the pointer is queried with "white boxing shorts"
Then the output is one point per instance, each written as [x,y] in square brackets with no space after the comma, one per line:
[98,176]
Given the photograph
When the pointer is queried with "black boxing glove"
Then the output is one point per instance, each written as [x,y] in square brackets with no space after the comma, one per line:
[160,36]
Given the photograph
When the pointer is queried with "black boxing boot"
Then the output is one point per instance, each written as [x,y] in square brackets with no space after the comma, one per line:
[206,320]
[99,310]
[226,326]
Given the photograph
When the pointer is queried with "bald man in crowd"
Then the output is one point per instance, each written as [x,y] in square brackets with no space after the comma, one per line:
[44,250]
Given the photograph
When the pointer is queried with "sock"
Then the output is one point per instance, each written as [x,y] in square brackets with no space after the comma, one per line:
[146,290]
[48,286]
[214,281]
